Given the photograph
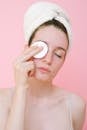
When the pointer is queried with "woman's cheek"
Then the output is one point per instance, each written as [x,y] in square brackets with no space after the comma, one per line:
[57,67]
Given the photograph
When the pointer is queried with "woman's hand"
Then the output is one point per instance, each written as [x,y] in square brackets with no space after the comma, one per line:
[24,66]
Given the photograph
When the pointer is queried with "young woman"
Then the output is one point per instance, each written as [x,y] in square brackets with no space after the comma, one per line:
[36,103]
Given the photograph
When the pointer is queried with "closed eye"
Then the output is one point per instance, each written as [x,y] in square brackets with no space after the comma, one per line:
[58,55]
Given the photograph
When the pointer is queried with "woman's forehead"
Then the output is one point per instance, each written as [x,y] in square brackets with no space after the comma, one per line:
[51,35]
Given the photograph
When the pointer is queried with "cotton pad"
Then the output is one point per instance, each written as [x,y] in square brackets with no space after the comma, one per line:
[44,51]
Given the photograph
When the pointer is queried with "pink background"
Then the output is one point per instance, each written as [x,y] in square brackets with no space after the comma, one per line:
[73,75]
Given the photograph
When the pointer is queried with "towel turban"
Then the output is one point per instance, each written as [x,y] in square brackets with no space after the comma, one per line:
[41,12]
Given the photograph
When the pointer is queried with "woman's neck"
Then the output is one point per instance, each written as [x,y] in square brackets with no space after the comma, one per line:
[40,88]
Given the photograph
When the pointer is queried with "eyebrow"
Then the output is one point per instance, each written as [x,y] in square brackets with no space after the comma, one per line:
[61,48]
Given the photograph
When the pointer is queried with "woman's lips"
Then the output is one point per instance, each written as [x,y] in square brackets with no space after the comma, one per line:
[42,69]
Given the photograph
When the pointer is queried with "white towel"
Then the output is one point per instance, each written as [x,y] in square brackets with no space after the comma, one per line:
[41,12]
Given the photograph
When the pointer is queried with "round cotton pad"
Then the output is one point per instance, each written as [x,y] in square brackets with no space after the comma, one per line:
[44,51]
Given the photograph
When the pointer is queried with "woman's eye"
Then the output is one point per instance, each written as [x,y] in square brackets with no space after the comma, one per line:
[58,55]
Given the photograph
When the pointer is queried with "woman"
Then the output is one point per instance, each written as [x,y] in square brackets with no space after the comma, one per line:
[36,103]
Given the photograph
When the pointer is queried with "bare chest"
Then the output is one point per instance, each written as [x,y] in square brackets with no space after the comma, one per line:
[47,116]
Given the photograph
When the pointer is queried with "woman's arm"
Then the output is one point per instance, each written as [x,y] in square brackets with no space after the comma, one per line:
[22,66]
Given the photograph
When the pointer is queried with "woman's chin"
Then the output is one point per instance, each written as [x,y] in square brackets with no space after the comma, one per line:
[42,77]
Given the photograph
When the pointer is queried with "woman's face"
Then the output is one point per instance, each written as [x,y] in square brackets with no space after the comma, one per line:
[47,67]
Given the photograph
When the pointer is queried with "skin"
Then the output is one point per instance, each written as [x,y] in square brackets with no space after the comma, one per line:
[36,100]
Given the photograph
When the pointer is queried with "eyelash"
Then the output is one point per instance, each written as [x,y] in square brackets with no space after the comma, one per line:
[58,55]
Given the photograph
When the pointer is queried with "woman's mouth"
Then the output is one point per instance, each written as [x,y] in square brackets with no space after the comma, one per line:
[44,70]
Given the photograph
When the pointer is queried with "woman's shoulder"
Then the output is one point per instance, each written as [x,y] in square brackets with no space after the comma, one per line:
[73,97]
[6,95]
[77,100]
[77,106]
[5,103]
[78,110]
[78,103]
[4,92]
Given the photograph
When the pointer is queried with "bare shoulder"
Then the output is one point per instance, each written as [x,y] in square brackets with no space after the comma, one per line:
[6,91]
[5,102]
[6,96]
[78,102]
[78,110]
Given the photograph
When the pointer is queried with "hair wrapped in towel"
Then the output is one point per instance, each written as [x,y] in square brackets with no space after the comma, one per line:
[41,12]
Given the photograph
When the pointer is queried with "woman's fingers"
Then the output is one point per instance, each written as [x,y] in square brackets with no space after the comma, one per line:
[22,72]
[29,53]
[25,66]
[31,48]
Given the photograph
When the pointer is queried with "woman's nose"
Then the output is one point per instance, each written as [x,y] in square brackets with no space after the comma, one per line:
[48,58]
